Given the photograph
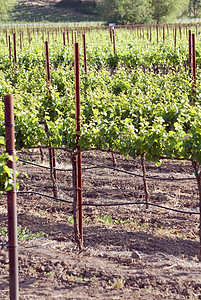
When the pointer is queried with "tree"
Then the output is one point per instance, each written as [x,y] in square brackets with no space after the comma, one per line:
[125,11]
[5,7]
[167,10]
[140,12]
[135,11]
[194,7]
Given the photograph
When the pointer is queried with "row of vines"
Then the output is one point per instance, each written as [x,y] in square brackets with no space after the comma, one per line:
[137,96]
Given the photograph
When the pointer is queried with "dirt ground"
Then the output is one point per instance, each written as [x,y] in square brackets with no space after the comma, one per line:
[130,252]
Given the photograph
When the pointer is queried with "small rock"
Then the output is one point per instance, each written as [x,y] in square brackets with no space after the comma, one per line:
[48,269]
[135,255]
[41,269]
[87,274]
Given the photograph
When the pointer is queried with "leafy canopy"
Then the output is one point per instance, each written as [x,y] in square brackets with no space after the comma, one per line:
[5,7]
[141,11]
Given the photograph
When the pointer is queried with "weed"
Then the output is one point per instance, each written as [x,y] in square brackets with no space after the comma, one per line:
[74,278]
[79,278]
[23,234]
[117,283]
[70,219]
[26,235]
[70,277]
[50,274]
[4,232]
[109,220]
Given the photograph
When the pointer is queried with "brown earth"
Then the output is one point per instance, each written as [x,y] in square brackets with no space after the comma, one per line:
[130,252]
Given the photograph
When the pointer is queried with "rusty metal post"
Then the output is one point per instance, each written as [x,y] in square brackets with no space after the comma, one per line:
[194,61]
[64,38]
[110,28]
[9,45]
[11,199]
[175,38]
[190,50]
[85,56]
[14,48]
[20,40]
[79,155]
[54,164]
[163,34]
[72,37]
[114,40]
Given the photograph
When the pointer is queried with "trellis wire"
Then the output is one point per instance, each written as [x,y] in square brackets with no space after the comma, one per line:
[110,204]
[113,168]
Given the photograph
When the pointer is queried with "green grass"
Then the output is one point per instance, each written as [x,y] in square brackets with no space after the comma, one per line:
[51,11]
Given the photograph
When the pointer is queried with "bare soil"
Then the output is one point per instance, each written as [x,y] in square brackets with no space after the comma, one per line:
[130,252]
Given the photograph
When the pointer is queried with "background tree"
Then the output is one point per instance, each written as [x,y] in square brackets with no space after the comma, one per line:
[109,11]
[126,11]
[5,7]
[144,11]
[135,11]
[167,10]
[194,8]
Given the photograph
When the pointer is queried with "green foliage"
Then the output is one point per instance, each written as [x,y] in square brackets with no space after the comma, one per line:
[194,8]
[24,234]
[125,104]
[5,7]
[134,11]
[141,11]
[167,10]
[69,219]
[6,173]
[126,11]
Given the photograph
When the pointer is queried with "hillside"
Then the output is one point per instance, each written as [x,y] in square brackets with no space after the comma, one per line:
[54,11]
